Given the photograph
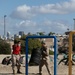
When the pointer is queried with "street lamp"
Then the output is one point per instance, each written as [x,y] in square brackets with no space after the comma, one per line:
[4,27]
[74,23]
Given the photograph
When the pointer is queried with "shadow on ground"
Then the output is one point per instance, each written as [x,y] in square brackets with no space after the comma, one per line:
[33,74]
[11,74]
[18,74]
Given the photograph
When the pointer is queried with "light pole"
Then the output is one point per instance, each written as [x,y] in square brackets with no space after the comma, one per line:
[4,27]
[74,23]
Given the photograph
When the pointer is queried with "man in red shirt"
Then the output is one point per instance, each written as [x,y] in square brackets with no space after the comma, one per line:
[16,54]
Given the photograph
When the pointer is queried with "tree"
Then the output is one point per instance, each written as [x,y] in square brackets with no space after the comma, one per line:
[33,43]
[4,47]
[51,33]
[40,33]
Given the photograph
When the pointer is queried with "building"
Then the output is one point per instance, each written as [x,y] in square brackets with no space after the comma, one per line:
[8,35]
[21,33]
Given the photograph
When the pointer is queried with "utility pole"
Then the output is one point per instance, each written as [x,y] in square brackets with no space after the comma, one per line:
[4,27]
[74,23]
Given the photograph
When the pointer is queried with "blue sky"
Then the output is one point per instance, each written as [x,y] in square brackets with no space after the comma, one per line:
[37,16]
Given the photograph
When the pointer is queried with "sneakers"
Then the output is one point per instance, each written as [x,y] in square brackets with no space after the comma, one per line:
[19,72]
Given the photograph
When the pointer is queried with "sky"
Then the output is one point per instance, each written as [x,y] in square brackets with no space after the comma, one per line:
[37,16]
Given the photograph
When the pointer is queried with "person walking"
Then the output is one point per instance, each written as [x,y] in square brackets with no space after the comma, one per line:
[16,54]
[44,59]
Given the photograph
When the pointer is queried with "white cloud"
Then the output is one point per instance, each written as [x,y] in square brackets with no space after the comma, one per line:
[58,8]
[27,12]
[22,12]
[23,8]
[44,26]
[55,26]
[26,23]
[34,27]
